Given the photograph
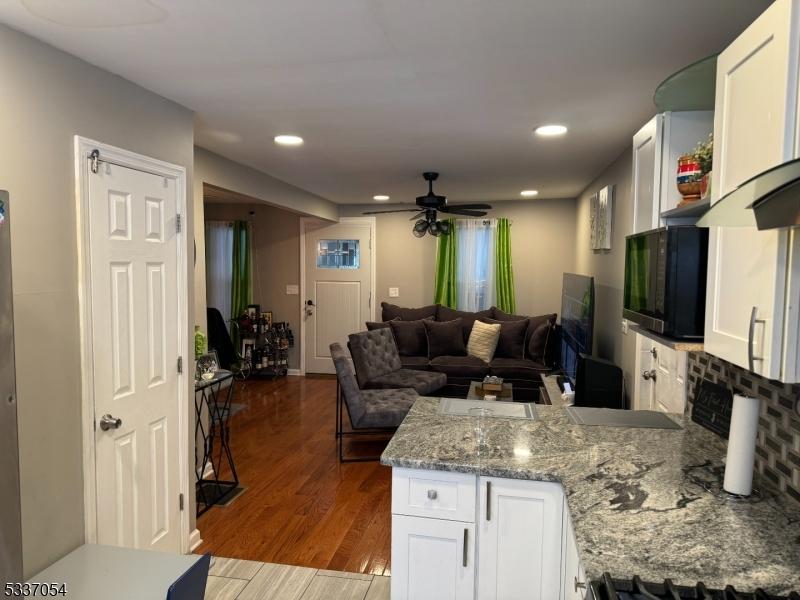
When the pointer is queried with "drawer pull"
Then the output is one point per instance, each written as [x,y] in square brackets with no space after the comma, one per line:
[579,585]
[464,559]
[432,494]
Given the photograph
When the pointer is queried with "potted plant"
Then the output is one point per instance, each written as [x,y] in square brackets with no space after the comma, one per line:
[693,169]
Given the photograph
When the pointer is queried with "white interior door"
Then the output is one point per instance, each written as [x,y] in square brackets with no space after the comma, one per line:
[338,286]
[133,258]
[644,384]
[670,382]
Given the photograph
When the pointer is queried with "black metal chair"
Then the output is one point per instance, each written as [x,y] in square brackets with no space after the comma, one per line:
[371,412]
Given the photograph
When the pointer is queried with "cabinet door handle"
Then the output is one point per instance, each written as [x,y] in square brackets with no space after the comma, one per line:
[466,553]
[488,500]
[751,357]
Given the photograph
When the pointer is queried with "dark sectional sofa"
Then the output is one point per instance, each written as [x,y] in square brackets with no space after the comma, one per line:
[426,340]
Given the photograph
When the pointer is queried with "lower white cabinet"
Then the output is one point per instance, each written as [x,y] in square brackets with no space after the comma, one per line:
[574,582]
[432,559]
[508,548]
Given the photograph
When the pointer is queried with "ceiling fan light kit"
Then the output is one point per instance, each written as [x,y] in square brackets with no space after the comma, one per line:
[429,205]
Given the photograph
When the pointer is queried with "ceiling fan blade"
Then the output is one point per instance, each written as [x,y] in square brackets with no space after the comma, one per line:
[478,206]
[417,216]
[459,211]
[386,212]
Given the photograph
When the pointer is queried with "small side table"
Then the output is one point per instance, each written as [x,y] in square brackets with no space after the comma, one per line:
[212,402]
[476,392]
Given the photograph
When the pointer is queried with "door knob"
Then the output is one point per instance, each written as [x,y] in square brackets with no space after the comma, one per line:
[108,422]
[647,375]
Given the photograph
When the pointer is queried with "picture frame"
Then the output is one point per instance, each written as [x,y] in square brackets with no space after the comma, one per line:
[593,221]
[266,319]
[206,366]
[605,212]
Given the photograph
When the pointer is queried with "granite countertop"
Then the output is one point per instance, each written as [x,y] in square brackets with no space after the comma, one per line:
[645,502]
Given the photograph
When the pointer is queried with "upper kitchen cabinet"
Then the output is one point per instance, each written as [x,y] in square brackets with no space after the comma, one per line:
[751,300]
[656,149]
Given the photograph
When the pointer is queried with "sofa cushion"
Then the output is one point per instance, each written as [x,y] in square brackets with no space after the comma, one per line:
[420,363]
[539,332]
[373,325]
[516,368]
[385,408]
[424,382]
[410,337]
[499,315]
[467,318]
[374,354]
[513,335]
[392,311]
[483,340]
[445,338]
[460,366]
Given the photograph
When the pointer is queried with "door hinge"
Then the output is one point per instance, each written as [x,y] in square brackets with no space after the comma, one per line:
[369,302]
[177,223]
[94,159]
[180,364]
[180,501]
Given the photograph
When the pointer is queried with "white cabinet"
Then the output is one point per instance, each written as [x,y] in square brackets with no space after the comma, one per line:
[574,582]
[432,559]
[508,547]
[656,149]
[751,299]
[519,533]
[660,373]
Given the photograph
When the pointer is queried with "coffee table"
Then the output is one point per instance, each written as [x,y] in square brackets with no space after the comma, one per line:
[476,392]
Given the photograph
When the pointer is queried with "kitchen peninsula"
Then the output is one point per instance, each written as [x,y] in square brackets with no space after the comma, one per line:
[590,500]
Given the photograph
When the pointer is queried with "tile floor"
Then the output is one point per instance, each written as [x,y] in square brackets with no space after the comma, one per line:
[233,579]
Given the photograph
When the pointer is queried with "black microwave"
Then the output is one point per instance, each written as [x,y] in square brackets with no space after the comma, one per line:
[665,280]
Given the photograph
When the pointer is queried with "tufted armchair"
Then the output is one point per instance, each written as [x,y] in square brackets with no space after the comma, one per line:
[370,411]
[378,366]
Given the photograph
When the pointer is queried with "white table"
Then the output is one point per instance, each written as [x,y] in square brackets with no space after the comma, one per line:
[93,572]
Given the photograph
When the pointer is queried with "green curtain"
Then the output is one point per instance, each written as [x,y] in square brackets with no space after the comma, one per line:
[504,270]
[445,290]
[242,285]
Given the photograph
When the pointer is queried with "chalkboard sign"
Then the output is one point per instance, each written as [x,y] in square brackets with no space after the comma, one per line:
[712,407]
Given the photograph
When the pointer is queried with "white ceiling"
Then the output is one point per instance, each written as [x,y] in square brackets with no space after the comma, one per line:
[382,90]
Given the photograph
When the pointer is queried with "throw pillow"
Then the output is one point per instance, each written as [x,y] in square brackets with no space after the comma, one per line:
[373,325]
[539,332]
[391,311]
[483,340]
[410,337]
[513,335]
[445,338]
[467,318]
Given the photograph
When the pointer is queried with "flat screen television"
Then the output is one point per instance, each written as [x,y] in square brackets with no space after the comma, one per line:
[577,321]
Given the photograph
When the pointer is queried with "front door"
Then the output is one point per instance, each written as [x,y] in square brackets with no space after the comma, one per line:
[133,258]
[338,287]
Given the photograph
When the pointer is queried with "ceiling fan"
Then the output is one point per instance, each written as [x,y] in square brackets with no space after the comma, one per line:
[428,206]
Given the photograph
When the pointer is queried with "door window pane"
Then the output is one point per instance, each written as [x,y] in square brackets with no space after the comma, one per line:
[338,254]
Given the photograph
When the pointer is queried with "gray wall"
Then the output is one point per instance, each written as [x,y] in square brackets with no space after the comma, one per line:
[47,97]
[542,248]
[276,260]
[263,189]
[608,266]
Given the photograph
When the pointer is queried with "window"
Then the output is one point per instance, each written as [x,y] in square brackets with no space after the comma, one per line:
[219,266]
[338,254]
[475,263]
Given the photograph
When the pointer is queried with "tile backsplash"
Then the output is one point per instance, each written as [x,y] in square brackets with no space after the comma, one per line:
[778,442]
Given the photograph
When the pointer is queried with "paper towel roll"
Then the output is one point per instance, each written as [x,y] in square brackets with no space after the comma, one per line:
[741,446]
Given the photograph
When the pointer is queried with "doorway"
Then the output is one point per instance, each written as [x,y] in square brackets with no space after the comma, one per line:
[133,297]
[338,280]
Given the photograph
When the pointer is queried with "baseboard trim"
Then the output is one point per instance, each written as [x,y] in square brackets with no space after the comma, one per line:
[294,372]
[194,540]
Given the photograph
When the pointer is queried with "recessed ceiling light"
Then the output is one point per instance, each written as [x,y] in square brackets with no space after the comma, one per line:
[288,140]
[381,197]
[528,193]
[550,130]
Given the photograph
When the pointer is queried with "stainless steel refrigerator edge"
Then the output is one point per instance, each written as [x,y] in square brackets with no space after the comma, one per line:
[10,519]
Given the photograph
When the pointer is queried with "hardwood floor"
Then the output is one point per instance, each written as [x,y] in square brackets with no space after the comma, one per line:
[301,506]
